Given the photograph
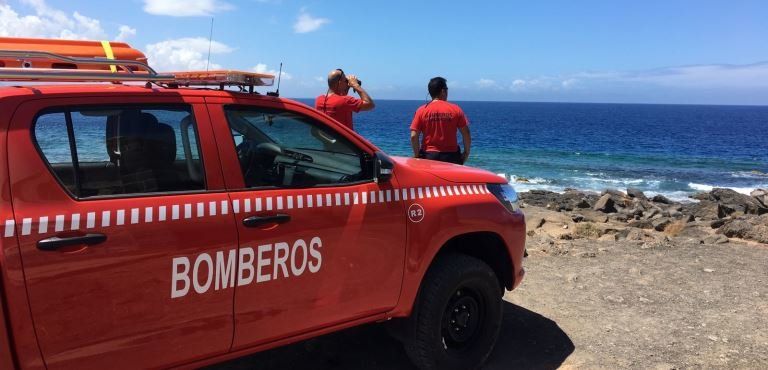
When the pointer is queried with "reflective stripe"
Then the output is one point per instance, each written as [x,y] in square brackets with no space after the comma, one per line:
[42,228]
[10,226]
[105,216]
[211,208]
[59,226]
[26,226]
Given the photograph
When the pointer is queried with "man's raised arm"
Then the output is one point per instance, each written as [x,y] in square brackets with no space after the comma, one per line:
[368,103]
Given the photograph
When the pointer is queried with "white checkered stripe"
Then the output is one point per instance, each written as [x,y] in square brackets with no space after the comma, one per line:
[175,212]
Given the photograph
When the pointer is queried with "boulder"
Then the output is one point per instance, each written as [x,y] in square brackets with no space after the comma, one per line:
[567,201]
[736,229]
[690,230]
[635,193]
[716,224]
[761,195]
[661,223]
[632,212]
[703,210]
[641,224]
[633,234]
[577,199]
[658,198]
[614,192]
[651,213]
[736,202]
[702,195]
[747,227]
[539,198]
[605,204]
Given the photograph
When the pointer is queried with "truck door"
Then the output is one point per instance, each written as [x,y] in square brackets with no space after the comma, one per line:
[320,242]
[120,212]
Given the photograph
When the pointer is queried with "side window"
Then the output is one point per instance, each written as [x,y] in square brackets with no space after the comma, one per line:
[284,149]
[99,151]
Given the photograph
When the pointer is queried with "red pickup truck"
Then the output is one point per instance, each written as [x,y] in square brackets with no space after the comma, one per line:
[167,226]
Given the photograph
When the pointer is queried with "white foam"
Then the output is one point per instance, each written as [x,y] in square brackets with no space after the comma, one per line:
[676,196]
[708,188]
[535,180]
[700,187]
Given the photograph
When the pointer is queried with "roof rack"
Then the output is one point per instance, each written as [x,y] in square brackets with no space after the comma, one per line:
[49,60]
[129,70]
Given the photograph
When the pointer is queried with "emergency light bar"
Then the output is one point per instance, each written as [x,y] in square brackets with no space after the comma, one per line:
[222,77]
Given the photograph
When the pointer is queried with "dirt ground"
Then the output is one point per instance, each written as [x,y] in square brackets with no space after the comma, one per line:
[589,304]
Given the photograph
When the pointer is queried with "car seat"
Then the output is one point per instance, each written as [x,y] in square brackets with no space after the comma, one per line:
[144,151]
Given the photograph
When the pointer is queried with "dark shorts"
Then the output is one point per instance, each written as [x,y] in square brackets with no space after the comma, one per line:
[451,157]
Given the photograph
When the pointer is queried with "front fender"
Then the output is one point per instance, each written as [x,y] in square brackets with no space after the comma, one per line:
[445,217]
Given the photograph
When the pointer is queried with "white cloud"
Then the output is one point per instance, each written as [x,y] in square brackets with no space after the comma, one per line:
[262,68]
[125,33]
[571,82]
[485,83]
[185,8]
[307,23]
[538,83]
[685,80]
[518,84]
[47,22]
[185,54]
[704,76]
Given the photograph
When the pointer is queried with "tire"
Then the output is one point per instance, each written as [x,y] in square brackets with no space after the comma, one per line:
[457,317]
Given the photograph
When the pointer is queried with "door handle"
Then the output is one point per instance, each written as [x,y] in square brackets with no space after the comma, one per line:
[54,243]
[256,221]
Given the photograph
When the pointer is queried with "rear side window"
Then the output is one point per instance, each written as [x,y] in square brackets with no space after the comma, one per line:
[102,151]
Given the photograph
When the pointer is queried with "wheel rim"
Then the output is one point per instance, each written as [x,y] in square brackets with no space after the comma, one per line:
[462,319]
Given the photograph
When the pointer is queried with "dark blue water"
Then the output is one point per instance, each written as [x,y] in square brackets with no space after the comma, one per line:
[675,150]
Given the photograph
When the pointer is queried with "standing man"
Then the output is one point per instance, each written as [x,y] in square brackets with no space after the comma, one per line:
[437,122]
[337,104]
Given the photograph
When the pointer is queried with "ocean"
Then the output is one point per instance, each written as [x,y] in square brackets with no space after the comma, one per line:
[673,150]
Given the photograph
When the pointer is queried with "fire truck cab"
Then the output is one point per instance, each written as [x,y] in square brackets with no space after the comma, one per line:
[180,223]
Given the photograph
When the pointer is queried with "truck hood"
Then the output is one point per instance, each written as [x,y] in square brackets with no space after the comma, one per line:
[449,171]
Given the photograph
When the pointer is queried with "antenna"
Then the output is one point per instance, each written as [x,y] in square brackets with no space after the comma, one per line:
[210,38]
[279,75]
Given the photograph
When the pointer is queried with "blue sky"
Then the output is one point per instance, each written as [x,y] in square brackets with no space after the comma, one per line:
[706,52]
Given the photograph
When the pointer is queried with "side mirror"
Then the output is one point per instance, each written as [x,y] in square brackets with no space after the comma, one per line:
[383,167]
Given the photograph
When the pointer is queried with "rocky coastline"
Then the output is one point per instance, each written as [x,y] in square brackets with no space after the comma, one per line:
[710,218]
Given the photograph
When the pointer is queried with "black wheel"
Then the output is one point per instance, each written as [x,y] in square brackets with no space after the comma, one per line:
[457,316]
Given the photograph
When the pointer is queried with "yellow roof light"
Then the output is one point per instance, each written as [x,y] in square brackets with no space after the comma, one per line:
[222,78]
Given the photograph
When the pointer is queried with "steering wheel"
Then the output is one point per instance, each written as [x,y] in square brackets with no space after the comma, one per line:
[257,159]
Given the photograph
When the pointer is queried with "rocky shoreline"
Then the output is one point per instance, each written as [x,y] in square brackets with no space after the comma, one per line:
[711,218]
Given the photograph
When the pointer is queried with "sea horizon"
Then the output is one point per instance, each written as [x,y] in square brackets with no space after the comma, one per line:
[302,99]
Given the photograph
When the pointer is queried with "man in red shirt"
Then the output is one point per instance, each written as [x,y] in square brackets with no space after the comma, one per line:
[337,104]
[437,123]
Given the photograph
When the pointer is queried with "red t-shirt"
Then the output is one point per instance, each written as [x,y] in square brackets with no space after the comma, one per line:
[339,107]
[439,120]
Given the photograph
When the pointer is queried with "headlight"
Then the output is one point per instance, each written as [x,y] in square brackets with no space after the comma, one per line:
[506,195]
